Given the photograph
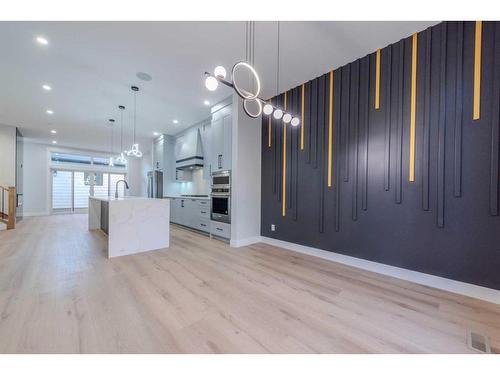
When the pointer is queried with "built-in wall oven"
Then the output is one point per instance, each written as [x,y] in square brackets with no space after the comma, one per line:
[221,196]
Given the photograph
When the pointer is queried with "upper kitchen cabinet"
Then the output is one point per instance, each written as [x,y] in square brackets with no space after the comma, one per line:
[220,136]
[158,153]
[205,130]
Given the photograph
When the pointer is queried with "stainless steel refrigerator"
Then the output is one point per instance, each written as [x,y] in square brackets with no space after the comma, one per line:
[155,184]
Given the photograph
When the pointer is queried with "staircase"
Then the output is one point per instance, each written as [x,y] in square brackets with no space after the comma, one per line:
[7,207]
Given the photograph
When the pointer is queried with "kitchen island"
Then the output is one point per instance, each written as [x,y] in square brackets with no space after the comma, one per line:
[132,224]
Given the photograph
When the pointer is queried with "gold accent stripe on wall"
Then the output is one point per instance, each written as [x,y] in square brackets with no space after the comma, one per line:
[477,71]
[302,117]
[283,201]
[377,79]
[269,140]
[413,107]
[330,129]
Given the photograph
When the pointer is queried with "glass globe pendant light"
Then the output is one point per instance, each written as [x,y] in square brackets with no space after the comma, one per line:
[211,83]
[278,113]
[220,71]
[295,121]
[287,118]
[268,109]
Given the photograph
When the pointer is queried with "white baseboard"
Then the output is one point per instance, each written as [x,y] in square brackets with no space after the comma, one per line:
[245,241]
[454,286]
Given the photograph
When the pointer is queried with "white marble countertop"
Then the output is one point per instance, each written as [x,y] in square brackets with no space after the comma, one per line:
[112,198]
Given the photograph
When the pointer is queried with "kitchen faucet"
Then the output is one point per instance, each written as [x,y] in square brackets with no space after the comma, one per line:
[116,186]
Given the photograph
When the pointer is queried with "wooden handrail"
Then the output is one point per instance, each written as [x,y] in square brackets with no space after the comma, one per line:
[11,201]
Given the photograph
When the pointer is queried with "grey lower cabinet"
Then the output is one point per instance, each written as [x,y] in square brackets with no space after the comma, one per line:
[105,217]
[190,212]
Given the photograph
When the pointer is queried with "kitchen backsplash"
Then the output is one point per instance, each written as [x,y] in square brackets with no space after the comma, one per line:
[197,185]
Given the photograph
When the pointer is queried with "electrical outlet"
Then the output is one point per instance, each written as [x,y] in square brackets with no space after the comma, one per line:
[273,227]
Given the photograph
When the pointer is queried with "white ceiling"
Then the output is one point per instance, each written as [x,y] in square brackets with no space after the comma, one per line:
[91,66]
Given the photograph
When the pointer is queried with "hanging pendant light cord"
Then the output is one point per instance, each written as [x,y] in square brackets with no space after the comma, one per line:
[135,112]
[121,130]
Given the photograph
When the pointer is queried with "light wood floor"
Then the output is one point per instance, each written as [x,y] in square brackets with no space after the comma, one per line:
[59,294]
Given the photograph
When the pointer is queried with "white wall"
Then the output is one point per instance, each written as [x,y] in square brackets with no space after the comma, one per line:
[246,177]
[35,179]
[37,189]
[7,155]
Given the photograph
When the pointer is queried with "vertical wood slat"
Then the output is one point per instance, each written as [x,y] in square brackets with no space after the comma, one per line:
[427,122]
[388,118]
[290,153]
[364,195]
[296,152]
[283,194]
[346,72]
[495,125]
[441,130]
[413,107]
[457,160]
[355,120]
[377,79]
[399,153]
[322,121]
[302,114]
[278,136]
[308,119]
[477,70]
[330,128]
[336,146]
[274,149]
[314,123]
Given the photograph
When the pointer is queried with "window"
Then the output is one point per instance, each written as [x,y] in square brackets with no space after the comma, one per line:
[71,189]
[67,158]
[59,157]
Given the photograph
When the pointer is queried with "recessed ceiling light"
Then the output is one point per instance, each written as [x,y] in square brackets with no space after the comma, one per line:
[49,111]
[46,87]
[175,121]
[156,133]
[53,131]
[54,142]
[206,102]
[42,40]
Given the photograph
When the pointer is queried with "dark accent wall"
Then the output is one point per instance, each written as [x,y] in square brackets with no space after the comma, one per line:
[444,223]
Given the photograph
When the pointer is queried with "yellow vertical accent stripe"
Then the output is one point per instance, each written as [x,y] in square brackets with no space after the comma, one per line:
[283,201]
[377,80]
[302,118]
[330,130]
[477,71]
[413,107]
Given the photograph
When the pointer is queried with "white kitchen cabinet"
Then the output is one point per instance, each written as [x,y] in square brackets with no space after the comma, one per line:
[191,212]
[220,147]
[205,130]
[158,154]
